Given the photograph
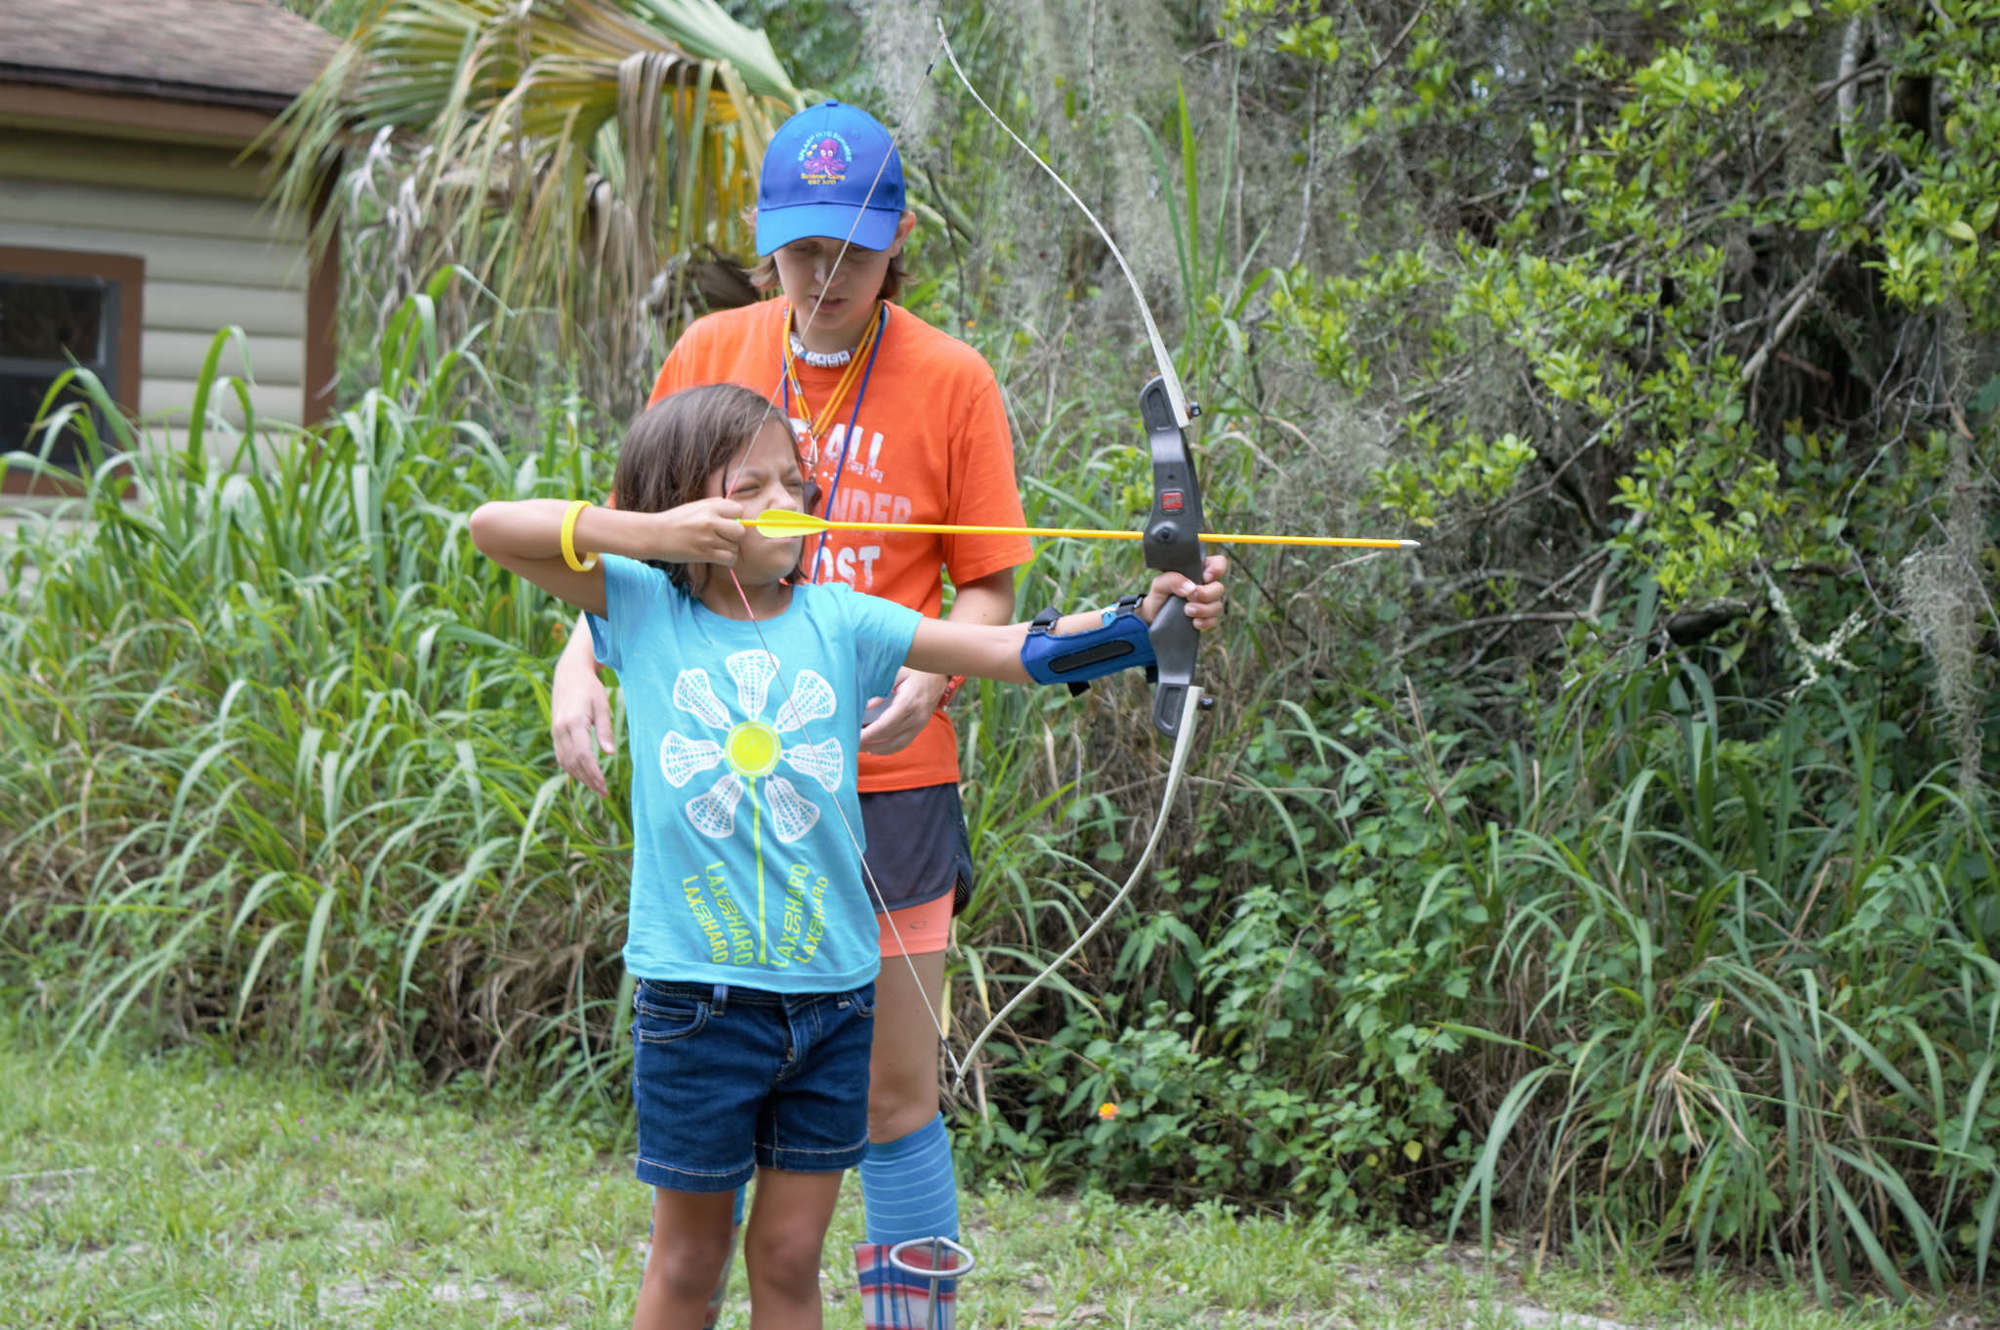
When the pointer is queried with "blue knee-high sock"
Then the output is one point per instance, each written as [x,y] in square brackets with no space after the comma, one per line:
[908,1187]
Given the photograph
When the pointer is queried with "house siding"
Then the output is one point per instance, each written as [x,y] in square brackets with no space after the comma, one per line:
[211,262]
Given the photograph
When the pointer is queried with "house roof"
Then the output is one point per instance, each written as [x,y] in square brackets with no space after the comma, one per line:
[248,53]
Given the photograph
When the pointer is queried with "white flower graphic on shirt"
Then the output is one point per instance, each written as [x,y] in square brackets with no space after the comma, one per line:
[751,750]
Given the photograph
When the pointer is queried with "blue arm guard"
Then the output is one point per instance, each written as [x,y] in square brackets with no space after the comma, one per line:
[1076,658]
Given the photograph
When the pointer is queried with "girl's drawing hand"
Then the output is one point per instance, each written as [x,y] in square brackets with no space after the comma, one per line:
[705,531]
[1204,603]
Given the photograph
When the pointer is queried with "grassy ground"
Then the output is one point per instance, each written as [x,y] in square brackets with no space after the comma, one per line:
[181,1192]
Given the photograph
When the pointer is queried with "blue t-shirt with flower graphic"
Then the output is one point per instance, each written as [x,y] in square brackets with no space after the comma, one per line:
[743,759]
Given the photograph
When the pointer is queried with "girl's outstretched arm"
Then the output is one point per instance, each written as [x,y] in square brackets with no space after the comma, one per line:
[994,652]
[525,536]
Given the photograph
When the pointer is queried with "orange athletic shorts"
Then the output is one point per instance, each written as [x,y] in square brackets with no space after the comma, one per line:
[917,930]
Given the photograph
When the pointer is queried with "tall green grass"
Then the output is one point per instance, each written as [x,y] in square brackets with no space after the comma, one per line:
[1756,1006]
[276,740]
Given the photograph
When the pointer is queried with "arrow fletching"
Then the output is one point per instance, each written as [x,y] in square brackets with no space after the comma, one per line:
[778,524]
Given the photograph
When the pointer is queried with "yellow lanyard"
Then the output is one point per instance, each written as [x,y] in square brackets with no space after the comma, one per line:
[817,423]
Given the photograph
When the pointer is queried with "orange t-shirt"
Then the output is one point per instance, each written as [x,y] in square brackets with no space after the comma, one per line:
[931,445]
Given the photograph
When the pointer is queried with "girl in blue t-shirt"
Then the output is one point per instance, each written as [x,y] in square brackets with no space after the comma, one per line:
[750,928]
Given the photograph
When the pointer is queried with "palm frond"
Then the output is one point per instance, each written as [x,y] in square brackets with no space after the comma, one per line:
[571,155]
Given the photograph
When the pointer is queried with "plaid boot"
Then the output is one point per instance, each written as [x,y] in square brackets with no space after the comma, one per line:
[898,1299]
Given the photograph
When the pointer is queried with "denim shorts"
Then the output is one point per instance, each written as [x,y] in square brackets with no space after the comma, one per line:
[730,1080]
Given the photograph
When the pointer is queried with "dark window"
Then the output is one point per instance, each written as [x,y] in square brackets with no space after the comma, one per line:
[60,310]
[45,324]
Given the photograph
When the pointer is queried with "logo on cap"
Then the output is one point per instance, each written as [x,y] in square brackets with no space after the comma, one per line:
[823,160]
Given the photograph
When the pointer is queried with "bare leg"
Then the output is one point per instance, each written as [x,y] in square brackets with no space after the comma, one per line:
[690,1245]
[903,1071]
[781,1247]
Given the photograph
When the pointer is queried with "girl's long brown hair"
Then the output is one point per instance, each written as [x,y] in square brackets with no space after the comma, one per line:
[674,446]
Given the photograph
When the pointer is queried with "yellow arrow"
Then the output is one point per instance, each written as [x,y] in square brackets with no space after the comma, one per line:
[781,525]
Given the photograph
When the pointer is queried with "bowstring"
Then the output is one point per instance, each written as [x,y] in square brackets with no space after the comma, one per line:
[1177,398]
[772,412]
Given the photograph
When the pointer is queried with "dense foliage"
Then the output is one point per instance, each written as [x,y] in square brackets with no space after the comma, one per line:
[577,159]
[1621,869]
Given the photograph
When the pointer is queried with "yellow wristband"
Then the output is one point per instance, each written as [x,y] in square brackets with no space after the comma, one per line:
[576,565]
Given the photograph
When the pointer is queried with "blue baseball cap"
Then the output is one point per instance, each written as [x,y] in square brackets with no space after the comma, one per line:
[828,166]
